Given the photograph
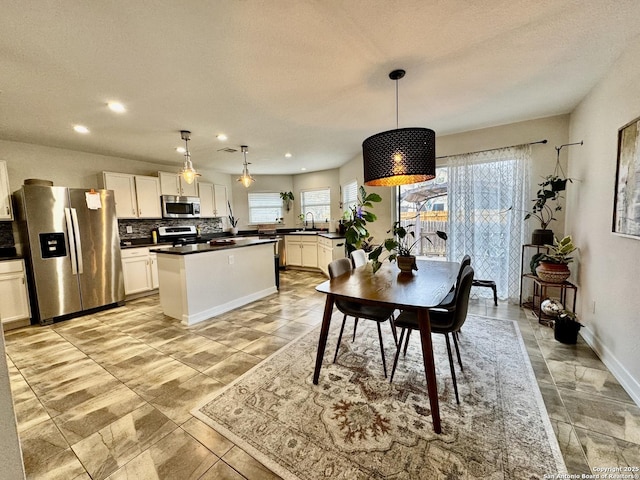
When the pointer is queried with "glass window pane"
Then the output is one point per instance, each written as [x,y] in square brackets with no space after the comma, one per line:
[265,207]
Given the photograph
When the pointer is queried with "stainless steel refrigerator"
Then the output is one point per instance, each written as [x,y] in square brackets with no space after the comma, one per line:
[72,248]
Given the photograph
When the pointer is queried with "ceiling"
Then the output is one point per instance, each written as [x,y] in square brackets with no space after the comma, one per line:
[300,76]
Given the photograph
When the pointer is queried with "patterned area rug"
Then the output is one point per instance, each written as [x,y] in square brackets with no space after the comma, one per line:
[355,425]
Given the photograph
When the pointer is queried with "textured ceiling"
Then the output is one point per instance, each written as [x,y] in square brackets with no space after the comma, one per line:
[300,76]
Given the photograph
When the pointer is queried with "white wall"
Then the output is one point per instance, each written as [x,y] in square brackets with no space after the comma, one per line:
[610,263]
[554,129]
[69,168]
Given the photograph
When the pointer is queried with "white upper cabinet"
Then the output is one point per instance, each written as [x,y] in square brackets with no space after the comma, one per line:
[5,193]
[174,184]
[207,200]
[136,196]
[213,200]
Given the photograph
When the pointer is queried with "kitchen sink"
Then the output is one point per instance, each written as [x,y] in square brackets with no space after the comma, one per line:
[305,232]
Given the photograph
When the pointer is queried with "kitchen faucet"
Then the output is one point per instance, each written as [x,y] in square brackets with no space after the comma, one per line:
[313,222]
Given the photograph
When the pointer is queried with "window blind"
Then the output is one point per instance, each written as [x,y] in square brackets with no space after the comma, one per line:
[265,207]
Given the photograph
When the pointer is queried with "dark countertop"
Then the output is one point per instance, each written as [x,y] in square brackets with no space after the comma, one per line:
[206,247]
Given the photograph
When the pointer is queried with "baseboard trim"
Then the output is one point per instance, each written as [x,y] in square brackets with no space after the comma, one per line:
[628,382]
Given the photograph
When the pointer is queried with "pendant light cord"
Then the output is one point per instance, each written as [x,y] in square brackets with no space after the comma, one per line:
[397,123]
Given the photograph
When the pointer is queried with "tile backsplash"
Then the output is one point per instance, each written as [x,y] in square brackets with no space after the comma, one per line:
[6,234]
[143,228]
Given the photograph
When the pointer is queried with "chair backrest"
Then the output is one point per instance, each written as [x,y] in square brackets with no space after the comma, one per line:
[359,257]
[463,291]
[338,267]
[465,262]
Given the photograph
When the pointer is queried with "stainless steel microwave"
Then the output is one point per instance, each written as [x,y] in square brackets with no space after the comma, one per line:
[180,207]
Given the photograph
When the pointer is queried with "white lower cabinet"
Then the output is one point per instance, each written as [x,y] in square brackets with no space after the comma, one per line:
[140,269]
[13,291]
[313,251]
[136,269]
[329,249]
[302,250]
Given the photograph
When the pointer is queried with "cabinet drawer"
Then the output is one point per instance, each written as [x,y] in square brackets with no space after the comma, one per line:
[11,266]
[134,252]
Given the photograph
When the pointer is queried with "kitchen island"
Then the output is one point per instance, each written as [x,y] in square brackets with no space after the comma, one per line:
[201,281]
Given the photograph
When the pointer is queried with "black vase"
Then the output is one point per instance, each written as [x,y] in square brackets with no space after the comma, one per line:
[542,237]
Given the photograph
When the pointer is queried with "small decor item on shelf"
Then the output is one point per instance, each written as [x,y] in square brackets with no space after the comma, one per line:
[233,221]
[566,328]
[553,266]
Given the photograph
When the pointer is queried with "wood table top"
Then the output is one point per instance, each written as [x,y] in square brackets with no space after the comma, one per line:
[423,288]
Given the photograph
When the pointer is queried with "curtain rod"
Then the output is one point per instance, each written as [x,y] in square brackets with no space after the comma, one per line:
[491,149]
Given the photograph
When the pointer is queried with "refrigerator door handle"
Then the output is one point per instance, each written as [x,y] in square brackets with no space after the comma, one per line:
[76,232]
[72,241]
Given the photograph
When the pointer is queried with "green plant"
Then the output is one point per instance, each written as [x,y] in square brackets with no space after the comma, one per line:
[355,221]
[547,200]
[287,198]
[232,220]
[399,245]
[559,252]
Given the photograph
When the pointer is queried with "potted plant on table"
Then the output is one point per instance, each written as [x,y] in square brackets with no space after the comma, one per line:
[553,266]
[233,221]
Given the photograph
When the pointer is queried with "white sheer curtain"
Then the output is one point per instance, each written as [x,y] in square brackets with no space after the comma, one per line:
[488,192]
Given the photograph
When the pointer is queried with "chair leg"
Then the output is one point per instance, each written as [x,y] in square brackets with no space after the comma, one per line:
[344,319]
[384,361]
[406,343]
[455,344]
[355,327]
[395,359]
[453,372]
[495,295]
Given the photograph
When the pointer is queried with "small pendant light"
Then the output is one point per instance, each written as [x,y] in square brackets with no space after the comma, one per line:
[188,173]
[246,179]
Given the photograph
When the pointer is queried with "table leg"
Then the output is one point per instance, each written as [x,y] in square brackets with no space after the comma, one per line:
[324,332]
[429,367]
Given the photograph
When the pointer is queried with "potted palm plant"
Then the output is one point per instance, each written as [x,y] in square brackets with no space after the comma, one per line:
[553,266]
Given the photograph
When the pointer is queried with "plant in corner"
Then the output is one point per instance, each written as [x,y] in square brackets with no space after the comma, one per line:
[545,205]
[553,266]
[233,221]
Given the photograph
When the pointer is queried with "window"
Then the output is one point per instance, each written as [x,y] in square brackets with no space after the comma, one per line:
[349,196]
[265,207]
[318,202]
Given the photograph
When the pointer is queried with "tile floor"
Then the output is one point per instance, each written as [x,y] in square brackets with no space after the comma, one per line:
[108,395]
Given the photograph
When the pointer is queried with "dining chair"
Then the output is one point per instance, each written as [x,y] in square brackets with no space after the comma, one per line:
[359,257]
[443,321]
[357,310]
[449,299]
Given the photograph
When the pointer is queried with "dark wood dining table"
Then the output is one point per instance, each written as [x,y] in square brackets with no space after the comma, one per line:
[417,291]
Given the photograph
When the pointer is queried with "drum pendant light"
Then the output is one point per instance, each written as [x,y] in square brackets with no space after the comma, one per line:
[401,156]
[188,173]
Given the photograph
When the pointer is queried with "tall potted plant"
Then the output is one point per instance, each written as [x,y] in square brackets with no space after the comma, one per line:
[553,266]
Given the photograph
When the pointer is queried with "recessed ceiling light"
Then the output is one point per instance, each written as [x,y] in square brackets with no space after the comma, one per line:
[288,155]
[222,137]
[81,129]
[180,150]
[303,168]
[116,107]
